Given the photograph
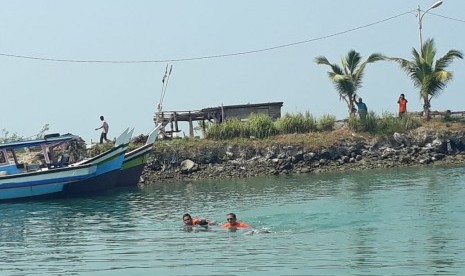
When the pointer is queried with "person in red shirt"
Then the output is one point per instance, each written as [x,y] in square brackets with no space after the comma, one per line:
[233,223]
[402,105]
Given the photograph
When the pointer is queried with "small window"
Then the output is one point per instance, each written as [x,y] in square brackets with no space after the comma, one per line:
[2,157]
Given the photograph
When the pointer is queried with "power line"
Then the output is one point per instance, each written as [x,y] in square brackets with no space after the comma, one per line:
[222,55]
[446,17]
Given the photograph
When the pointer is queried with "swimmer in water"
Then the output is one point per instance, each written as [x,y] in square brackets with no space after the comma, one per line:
[189,221]
[233,223]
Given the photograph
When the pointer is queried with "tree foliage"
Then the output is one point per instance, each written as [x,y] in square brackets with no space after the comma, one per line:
[429,76]
[347,77]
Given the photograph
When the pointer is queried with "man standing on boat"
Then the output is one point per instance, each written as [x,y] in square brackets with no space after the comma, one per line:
[104,128]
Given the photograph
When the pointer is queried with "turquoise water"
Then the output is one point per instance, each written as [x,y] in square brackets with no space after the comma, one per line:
[390,222]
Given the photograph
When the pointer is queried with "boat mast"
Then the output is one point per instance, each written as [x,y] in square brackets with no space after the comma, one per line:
[164,81]
[166,78]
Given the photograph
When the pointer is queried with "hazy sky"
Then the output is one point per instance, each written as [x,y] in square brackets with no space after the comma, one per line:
[70,96]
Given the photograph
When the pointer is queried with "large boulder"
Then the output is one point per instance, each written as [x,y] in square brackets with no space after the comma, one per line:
[188,166]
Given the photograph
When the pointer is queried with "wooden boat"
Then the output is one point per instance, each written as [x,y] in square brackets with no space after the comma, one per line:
[135,161]
[21,181]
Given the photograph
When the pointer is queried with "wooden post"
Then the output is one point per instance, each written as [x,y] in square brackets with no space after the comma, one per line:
[191,126]
[222,114]
[176,122]
[171,123]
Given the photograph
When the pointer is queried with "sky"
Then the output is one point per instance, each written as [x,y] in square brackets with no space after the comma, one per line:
[65,63]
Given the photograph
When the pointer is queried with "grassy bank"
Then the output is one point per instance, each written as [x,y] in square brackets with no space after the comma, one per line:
[310,140]
[300,129]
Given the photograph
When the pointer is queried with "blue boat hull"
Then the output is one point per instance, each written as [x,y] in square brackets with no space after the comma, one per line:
[95,185]
[92,186]
[130,177]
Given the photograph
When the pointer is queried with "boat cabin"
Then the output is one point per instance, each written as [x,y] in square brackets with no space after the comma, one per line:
[32,155]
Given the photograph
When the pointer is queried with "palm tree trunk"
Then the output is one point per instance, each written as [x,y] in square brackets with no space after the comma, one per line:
[350,105]
[426,108]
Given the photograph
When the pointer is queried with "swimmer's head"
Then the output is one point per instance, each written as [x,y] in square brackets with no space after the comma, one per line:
[187,219]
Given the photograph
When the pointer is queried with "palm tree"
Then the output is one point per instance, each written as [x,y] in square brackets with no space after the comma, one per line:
[428,75]
[347,78]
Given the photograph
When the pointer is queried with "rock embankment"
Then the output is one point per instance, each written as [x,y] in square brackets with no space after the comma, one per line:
[353,152]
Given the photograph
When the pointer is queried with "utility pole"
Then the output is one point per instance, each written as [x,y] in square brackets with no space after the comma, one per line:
[420,21]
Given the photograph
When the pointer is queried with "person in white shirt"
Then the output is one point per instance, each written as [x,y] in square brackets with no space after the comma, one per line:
[104,128]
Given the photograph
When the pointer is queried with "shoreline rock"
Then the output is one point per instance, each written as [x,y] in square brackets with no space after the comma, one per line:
[420,147]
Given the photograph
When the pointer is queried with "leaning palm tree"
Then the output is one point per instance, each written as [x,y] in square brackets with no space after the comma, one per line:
[428,75]
[347,78]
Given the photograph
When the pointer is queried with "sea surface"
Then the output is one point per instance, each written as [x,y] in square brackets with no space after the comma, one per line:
[386,222]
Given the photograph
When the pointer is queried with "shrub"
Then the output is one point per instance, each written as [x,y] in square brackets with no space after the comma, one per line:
[231,128]
[326,122]
[297,123]
[370,122]
[261,126]
[354,124]
[388,124]
[257,125]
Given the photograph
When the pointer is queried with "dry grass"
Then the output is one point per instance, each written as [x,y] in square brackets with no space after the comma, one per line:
[315,139]
[308,141]
[443,126]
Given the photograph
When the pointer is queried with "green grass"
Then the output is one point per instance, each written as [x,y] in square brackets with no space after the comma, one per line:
[387,124]
[296,123]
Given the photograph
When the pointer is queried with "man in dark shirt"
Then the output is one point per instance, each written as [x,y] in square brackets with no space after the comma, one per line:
[362,108]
